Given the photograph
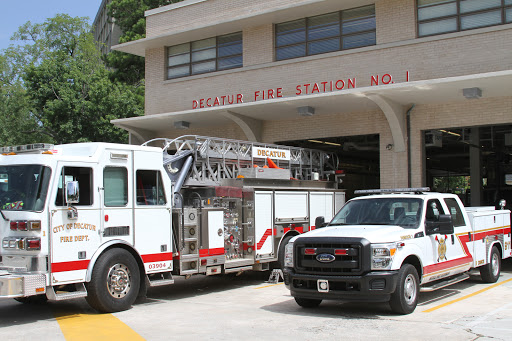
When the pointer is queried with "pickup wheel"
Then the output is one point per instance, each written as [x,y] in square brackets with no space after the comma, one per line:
[307,302]
[280,252]
[490,272]
[405,297]
[115,282]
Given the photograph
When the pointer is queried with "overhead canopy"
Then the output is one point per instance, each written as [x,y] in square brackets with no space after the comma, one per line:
[443,90]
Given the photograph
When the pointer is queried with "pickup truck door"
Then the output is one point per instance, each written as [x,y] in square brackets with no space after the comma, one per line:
[445,252]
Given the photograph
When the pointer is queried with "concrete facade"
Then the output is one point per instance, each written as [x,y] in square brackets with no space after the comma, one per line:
[400,61]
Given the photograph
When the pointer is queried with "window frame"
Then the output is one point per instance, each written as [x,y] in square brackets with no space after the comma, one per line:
[62,189]
[340,35]
[159,184]
[126,186]
[216,59]
[458,16]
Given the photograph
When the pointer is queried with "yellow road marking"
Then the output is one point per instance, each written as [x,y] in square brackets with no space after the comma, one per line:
[270,285]
[467,296]
[96,327]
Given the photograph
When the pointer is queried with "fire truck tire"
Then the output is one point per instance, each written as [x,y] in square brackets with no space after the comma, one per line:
[280,252]
[37,299]
[307,302]
[405,297]
[490,272]
[115,282]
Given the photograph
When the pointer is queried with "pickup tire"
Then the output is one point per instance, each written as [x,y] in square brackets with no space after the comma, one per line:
[405,297]
[307,302]
[115,282]
[490,272]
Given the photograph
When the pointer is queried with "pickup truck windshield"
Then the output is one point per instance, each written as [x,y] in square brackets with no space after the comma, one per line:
[23,187]
[405,212]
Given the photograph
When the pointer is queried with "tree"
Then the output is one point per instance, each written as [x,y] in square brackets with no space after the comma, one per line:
[129,15]
[70,94]
[17,124]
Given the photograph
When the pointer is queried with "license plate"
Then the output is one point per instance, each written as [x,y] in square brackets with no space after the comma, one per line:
[322,285]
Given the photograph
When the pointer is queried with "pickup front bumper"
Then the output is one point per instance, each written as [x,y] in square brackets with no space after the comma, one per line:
[376,286]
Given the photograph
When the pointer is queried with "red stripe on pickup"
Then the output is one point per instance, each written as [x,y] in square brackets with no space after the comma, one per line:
[70,266]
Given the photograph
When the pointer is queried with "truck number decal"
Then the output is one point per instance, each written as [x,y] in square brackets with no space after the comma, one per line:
[154,266]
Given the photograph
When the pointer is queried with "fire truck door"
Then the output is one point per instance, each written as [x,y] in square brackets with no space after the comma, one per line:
[117,196]
[74,230]
[152,212]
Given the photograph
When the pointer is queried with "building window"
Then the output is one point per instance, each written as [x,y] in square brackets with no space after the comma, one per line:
[326,33]
[207,55]
[444,16]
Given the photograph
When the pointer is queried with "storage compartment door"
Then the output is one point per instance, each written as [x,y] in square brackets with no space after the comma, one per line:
[322,204]
[263,223]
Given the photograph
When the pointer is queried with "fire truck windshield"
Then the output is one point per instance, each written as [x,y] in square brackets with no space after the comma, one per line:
[23,187]
[404,212]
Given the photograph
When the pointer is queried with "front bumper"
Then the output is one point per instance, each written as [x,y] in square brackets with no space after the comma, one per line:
[21,285]
[376,286]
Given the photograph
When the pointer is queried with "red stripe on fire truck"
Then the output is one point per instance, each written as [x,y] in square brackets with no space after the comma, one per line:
[267,234]
[157,257]
[70,266]
[211,252]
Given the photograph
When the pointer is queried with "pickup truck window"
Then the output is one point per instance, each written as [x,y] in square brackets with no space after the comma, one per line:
[455,211]
[405,212]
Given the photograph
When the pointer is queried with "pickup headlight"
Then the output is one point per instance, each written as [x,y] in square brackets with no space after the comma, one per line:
[288,255]
[382,256]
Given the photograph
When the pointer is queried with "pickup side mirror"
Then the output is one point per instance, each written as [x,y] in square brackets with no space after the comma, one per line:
[72,192]
[320,222]
[442,226]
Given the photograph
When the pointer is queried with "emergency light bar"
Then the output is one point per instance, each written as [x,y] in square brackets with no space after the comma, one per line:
[27,148]
[393,190]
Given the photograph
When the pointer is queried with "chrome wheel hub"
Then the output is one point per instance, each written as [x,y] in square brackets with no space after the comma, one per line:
[119,280]
[410,289]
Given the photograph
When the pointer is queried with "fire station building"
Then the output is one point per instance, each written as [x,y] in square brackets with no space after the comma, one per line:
[406,93]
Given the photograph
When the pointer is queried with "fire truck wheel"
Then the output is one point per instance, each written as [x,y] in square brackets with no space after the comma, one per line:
[490,272]
[307,302]
[280,252]
[405,297]
[115,282]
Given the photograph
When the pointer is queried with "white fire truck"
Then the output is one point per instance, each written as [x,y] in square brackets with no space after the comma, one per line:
[392,245]
[105,221]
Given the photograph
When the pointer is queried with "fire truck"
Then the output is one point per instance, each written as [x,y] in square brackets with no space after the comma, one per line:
[106,221]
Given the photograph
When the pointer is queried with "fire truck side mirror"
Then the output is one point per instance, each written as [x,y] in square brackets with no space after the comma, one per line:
[72,192]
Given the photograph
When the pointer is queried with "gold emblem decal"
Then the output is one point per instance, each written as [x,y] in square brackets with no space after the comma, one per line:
[441,248]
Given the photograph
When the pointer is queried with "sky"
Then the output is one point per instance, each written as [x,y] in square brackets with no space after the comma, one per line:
[17,12]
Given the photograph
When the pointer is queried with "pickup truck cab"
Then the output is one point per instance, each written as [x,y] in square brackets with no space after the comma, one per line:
[389,247]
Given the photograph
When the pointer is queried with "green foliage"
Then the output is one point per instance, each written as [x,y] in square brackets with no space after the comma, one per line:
[62,88]
[129,15]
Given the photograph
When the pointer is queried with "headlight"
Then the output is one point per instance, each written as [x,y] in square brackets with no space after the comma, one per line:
[382,256]
[288,255]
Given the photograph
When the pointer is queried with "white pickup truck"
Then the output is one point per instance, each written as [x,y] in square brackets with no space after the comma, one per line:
[391,245]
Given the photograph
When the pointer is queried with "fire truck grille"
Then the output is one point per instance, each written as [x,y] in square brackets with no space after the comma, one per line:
[329,256]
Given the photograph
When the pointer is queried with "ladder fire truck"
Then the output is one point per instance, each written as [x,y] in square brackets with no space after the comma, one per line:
[106,221]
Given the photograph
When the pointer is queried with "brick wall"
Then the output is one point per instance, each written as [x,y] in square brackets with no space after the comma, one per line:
[397,51]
